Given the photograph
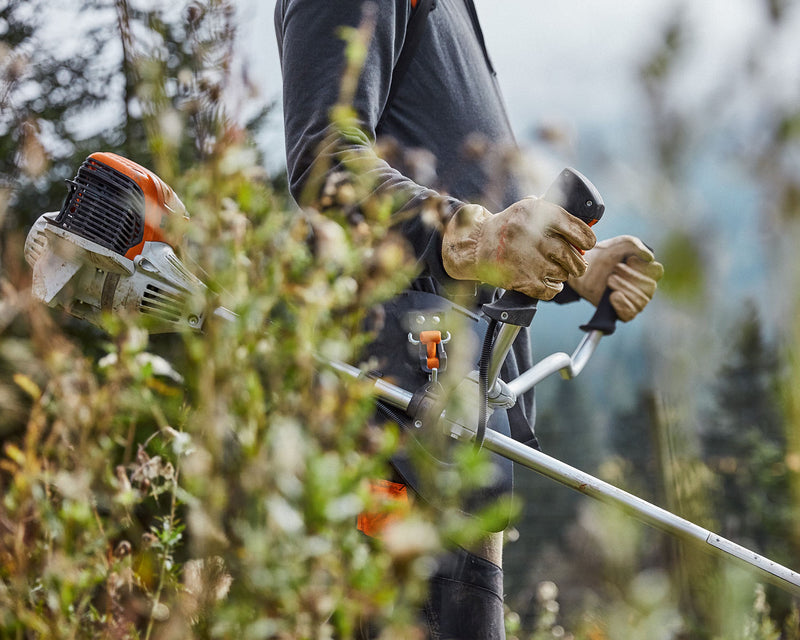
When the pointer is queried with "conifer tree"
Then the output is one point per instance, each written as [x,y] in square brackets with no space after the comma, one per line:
[745,443]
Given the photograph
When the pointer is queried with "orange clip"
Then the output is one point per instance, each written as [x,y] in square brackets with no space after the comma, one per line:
[430,339]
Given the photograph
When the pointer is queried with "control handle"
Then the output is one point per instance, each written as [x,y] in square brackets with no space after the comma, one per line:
[574,193]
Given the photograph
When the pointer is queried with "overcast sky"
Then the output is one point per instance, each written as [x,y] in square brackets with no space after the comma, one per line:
[571,59]
[574,60]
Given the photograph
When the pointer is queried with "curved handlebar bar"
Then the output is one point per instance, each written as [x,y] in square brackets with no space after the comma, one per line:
[568,366]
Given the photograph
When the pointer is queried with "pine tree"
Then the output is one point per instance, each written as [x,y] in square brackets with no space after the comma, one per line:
[745,443]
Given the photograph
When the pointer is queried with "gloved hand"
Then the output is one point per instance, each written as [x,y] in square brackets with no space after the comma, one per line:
[625,265]
[530,247]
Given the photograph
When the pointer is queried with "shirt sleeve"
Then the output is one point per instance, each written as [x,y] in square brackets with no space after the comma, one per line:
[313,63]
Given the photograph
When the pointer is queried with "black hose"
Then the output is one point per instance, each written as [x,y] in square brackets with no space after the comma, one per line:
[483,383]
[391,413]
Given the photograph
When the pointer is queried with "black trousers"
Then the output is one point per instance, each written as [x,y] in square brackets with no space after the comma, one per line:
[465,601]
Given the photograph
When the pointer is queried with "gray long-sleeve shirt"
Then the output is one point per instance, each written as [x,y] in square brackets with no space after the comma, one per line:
[448,103]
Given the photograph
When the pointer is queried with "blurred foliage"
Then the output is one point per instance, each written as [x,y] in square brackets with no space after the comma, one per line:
[684,280]
[711,431]
[150,82]
[191,485]
[139,505]
[206,485]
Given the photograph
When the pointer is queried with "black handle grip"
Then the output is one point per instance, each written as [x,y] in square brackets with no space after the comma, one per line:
[604,318]
[513,307]
[576,194]
[573,192]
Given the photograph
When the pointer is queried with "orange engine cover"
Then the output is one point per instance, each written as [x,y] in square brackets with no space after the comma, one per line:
[118,204]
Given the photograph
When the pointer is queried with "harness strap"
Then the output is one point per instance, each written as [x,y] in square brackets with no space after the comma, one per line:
[521,429]
[473,14]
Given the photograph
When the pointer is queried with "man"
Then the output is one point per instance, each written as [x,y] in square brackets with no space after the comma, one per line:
[448,103]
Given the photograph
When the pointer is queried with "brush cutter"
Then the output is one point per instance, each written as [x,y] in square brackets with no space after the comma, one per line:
[107,251]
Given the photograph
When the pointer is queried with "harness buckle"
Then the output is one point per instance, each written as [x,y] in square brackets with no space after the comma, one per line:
[432,354]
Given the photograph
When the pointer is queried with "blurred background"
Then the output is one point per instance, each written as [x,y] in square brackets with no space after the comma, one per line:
[686,116]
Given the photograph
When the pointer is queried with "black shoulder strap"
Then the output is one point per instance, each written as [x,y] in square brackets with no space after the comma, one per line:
[414,32]
[476,25]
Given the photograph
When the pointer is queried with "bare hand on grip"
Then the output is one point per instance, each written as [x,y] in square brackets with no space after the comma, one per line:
[531,247]
[628,268]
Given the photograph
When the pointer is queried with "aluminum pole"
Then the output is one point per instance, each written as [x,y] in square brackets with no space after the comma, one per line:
[594,487]
[640,509]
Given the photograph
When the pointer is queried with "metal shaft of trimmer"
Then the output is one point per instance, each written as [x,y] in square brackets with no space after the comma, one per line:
[640,509]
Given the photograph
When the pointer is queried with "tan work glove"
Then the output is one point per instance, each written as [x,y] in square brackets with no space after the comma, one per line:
[530,247]
[625,265]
